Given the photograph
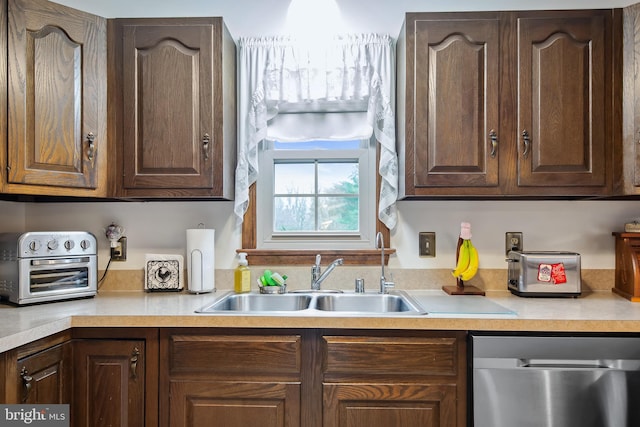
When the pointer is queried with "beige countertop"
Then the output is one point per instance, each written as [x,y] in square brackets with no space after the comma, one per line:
[600,311]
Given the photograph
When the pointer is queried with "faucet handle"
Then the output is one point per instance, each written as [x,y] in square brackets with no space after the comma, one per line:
[385,284]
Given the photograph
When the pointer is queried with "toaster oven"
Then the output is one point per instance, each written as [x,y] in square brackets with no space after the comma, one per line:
[47,266]
[544,274]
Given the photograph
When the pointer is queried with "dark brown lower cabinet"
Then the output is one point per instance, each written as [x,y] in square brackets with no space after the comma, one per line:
[373,379]
[230,378]
[45,377]
[115,377]
[371,405]
[37,373]
[234,404]
[315,378]
[109,383]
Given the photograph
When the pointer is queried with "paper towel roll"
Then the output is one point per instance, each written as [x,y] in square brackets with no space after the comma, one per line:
[201,260]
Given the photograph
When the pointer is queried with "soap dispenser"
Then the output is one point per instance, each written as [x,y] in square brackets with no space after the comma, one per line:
[242,275]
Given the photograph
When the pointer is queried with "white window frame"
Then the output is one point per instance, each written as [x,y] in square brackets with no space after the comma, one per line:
[362,239]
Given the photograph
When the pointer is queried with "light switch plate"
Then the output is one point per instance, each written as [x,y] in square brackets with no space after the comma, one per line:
[427,241]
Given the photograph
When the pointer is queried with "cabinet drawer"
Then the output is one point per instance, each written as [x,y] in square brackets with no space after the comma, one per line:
[390,355]
[235,354]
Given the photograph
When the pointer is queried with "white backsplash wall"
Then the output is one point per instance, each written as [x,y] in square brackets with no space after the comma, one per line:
[579,226]
[160,227]
[150,227]
[12,216]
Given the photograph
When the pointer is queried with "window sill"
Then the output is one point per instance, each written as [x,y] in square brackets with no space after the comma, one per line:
[308,257]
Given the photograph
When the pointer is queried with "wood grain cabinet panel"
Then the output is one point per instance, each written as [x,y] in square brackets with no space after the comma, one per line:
[244,355]
[109,383]
[394,378]
[384,405]
[45,377]
[392,355]
[232,378]
[628,157]
[561,100]
[57,100]
[456,81]
[174,88]
[234,404]
[508,103]
[37,373]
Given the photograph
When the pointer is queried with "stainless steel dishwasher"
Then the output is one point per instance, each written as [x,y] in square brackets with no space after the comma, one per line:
[555,381]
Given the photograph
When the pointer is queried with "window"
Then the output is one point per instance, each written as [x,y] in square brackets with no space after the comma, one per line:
[316,194]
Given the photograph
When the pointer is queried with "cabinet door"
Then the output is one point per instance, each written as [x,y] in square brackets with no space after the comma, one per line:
[234,379]
[109,378]
[414,380]
[168,74]
[456,86]
[384,405]
[628,176]
[562,99]
[234,404]
[45,377]
[56,96]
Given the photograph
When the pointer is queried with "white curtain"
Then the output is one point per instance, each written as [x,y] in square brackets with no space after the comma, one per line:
[337,74]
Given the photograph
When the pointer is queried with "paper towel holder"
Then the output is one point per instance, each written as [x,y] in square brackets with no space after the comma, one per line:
[201,260]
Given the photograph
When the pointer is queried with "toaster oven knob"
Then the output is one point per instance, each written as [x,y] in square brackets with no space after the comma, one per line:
[68,245]
[52,245]
[85,244]
[34,245]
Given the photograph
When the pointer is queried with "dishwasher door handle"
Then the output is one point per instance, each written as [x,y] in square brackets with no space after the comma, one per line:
[565,364]
[501,363]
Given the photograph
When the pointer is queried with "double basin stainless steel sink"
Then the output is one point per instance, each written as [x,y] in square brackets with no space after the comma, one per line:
[314,303]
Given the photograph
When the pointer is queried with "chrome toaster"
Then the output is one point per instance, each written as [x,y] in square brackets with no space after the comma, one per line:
[544,274]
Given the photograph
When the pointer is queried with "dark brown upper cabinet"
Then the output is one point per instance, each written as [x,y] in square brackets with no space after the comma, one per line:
[174,115]
[56,100]
[507,103]
[628,157]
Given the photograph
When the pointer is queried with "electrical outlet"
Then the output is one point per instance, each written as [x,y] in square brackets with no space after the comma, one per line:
[427,242]
[119,253]
[513,241]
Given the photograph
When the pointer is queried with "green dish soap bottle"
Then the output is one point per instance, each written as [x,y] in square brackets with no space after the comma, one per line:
[242,275]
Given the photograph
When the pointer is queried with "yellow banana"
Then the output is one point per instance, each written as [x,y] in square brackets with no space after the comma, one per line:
[463,259]
[474,260]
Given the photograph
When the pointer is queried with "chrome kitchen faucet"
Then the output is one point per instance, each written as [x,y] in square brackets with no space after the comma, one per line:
[317,277]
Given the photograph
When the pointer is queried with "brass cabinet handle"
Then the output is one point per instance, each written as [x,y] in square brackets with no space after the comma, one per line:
[527,142]
[205,145]
[27,381]
[92,148]
[494,143]
[134,362]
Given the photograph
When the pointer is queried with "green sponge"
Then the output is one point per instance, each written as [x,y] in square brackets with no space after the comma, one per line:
[270,278]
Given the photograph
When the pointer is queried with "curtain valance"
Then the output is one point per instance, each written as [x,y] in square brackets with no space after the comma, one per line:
[343,72]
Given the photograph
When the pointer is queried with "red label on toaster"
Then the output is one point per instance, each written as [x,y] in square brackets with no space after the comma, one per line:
[552,273]
[558,275]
